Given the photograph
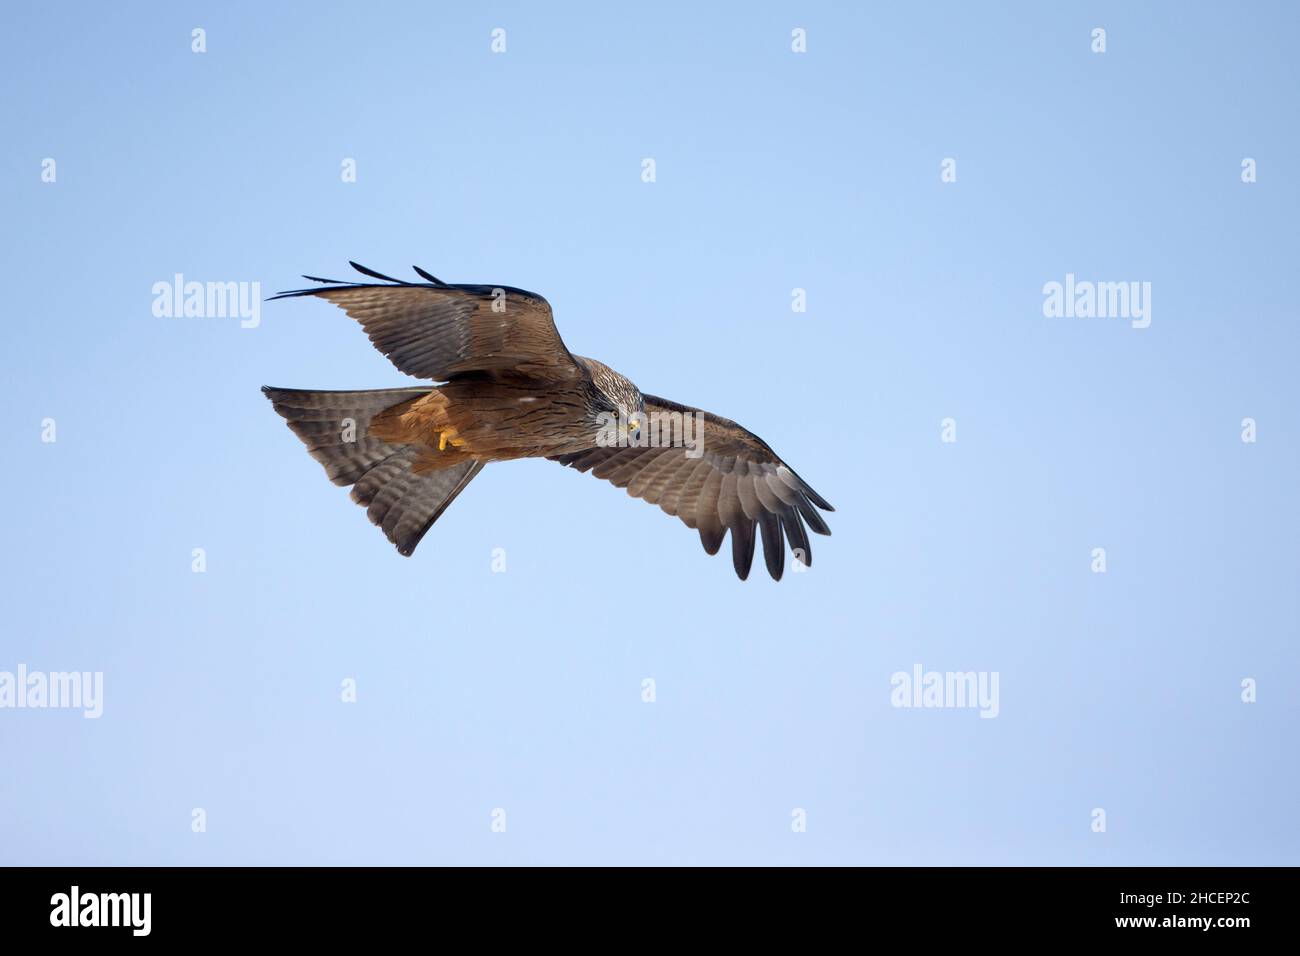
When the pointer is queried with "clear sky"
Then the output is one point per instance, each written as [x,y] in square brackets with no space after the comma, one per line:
[522,691]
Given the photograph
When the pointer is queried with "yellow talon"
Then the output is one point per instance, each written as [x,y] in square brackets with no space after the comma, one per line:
[448,437]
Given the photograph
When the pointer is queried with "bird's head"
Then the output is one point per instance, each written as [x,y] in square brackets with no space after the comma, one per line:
[635,424]
[618,398]
[632,418]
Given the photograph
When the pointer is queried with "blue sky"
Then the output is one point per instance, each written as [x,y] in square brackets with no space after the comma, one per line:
[775,170]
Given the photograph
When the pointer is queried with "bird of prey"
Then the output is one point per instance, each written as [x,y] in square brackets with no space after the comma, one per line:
[511,389]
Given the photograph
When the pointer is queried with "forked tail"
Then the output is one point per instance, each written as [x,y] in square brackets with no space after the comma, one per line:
[335,427]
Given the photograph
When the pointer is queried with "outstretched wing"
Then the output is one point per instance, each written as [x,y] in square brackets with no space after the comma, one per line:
[737,483]
[433,330]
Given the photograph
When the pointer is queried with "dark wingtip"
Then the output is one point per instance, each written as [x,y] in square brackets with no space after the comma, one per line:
[375,275]
[712,544]
[341,283]
[426,275]
[277,396]
[743,542]
[817,499]
[293,294]
[797,535]
[809,514]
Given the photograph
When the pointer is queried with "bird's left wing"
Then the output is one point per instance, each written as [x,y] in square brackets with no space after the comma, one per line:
[735,484]
[434,330]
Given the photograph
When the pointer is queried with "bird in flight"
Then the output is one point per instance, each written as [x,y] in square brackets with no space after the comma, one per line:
[511,389]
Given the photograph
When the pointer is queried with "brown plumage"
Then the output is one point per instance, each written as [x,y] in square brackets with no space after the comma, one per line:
[511,389]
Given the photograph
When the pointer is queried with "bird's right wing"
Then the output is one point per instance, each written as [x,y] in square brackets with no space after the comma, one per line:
[735,483]
[433,330]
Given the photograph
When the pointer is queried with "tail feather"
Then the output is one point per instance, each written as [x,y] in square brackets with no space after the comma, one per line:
[335,427]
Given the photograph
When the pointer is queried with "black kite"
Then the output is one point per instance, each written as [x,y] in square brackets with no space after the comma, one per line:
[511,389]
